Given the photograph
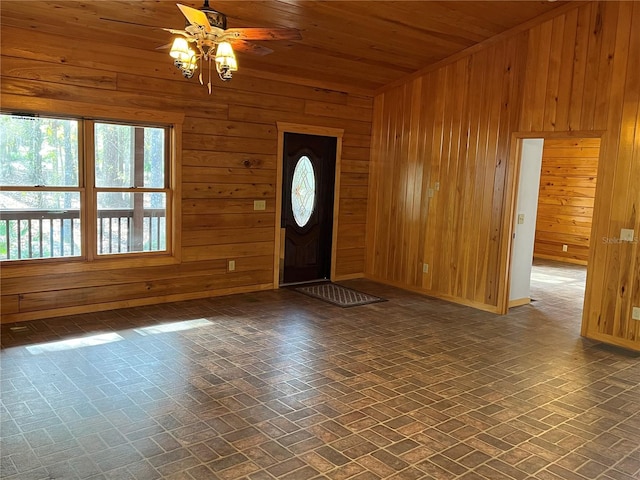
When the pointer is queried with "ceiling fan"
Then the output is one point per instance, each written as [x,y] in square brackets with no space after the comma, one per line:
[207,32]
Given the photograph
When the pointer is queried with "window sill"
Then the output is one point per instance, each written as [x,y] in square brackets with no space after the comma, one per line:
[66,265]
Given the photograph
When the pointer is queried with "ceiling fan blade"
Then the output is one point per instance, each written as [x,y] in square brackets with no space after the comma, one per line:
[264,33]
[173,31]
[164,47]
[247,47]
[116,20]
[195,17]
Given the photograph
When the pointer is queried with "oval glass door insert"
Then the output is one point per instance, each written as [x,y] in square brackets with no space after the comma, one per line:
[303,191]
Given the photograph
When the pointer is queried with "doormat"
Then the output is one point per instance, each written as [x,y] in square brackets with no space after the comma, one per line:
[338,295]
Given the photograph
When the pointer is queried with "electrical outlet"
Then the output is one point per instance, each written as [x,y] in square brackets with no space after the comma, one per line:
[520,218]
[635,313]
[425,268]
[437,186]
[231,266]
[565,248]
[259,204]
[626,235]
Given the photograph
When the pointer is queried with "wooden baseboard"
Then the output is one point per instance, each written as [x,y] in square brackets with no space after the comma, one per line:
[616,341]
[429,293]
[519,301]
[137,302]
[349,276]
[555,258]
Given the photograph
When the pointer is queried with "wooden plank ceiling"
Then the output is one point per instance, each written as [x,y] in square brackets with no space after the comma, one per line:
[354,45]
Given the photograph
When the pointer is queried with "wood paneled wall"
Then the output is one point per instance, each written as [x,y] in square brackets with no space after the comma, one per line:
[437,186]
[229,146]
[582,75]
[454,126]
[566,197]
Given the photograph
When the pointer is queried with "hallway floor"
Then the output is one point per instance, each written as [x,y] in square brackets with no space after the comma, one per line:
[558,287]
[280,385]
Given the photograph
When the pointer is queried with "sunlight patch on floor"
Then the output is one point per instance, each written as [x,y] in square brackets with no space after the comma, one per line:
[72,343]
[551,279]
[173,327]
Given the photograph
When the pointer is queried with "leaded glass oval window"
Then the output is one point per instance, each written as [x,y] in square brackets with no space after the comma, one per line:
[303,191]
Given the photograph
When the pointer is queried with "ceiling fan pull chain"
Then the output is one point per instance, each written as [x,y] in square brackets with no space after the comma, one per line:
[209,84]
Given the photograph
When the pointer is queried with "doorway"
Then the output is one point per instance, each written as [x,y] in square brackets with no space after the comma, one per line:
[307,207]
[558,287]
[552,224]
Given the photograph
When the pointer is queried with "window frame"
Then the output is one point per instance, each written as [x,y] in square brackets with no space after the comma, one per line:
[90,259]
[89,132]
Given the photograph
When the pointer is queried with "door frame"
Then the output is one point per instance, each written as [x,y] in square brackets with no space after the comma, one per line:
[509,220]
[337,133]
[512,250]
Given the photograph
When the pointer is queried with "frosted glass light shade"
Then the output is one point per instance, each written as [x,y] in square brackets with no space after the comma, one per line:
[225,58]
[180,49]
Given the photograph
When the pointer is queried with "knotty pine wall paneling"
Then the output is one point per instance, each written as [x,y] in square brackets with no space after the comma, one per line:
[577,72]
[598,90]
[438,195]
[229,155]
[566,198]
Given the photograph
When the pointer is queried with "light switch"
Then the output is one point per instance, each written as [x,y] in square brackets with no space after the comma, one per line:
[565,248]
[231,265]
[259,204]
[425,268]
[626,235]
[635,314]
[520,218]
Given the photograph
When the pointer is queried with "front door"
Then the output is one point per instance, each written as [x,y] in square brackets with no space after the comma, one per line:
[309,166]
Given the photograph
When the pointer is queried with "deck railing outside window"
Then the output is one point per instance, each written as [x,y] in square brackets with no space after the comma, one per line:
[56,233]
[119,231]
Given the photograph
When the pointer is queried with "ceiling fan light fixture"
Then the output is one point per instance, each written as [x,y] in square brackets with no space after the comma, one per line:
[207,30]
[189,66]
[180,49]
[226,57]
[185,58]
[226,62]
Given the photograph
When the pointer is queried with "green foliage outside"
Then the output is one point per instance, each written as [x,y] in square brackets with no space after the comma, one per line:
[44,152]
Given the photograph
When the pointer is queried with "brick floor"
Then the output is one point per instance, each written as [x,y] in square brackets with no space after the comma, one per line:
[280,385]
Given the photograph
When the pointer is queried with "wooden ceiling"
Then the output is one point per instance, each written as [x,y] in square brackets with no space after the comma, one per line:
[352,45]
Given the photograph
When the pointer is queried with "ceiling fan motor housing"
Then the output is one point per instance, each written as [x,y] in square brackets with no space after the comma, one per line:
[216,19]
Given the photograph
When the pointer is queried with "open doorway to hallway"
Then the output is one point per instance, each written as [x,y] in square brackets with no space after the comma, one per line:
[558,287]
[552,225]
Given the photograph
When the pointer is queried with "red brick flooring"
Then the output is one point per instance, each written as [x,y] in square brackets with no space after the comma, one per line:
[280,385]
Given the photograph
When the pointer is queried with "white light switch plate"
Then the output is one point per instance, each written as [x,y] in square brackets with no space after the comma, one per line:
[635,313]
[626,235]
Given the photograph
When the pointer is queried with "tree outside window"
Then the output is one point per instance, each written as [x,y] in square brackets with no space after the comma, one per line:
[47,184]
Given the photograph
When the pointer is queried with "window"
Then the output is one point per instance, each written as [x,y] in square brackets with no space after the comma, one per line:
[131,197]
[303,191]
[82,188]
